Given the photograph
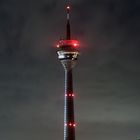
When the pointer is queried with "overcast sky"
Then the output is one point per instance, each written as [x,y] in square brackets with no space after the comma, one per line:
[106,78]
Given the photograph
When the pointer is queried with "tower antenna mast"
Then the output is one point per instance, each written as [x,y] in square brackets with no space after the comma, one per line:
[68,31]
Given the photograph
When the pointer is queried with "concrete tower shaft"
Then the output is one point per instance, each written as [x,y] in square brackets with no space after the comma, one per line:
[68,60]
[69,123]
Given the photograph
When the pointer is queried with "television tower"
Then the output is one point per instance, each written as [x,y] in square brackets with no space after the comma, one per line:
[68,54]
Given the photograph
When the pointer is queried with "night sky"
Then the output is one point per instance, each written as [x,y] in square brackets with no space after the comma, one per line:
[106,78]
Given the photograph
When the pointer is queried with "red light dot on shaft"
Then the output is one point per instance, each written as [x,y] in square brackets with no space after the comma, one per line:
[74,124]
[70,124]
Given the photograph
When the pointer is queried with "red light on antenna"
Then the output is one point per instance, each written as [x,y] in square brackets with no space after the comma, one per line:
[68,7]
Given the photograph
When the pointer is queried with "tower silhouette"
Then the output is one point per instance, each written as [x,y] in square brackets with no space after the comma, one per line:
[68,54]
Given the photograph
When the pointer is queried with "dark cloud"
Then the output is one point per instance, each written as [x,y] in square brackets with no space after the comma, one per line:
[106,77]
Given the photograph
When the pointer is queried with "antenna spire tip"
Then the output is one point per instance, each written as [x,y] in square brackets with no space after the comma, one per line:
[68,7]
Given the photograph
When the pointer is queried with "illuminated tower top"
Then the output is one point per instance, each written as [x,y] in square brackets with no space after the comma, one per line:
[68,48]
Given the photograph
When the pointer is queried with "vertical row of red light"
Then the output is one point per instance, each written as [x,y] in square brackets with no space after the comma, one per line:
[70,124]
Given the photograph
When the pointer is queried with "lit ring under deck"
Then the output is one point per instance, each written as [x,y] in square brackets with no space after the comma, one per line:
[67,55]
